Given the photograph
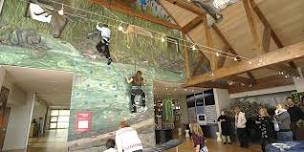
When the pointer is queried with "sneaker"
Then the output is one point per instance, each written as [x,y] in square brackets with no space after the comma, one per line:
[109,61]
[225,143]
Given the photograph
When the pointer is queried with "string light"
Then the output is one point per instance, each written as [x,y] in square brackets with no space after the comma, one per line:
[249,62]
[235,59]
[193,47]
[217,54]
[120,28]
[224,53]
[163,39]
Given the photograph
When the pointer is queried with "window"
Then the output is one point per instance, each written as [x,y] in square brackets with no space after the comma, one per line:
[59,119]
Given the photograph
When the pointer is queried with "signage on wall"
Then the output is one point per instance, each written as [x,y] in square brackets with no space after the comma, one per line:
[83,121]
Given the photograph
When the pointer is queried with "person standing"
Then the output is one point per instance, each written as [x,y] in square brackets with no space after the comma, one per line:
[265,126]
[240,125]
[295,115]
[283,118]
[226,127]
[198,138]
[127,139]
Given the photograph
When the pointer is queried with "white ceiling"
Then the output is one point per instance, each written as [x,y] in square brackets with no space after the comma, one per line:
[54,87]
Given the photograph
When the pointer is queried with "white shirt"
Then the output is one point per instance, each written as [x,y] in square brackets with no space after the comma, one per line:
[110,150]
[240,120]
[104,31]
[127,140]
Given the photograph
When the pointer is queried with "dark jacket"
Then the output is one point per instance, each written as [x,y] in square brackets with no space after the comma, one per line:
[295,113]
[225,125]
[266,127]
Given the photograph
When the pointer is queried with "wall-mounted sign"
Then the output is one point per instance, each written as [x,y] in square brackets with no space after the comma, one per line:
[83,121]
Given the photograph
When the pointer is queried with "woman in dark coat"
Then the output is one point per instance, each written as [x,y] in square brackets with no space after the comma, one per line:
[226,127]
[265,126]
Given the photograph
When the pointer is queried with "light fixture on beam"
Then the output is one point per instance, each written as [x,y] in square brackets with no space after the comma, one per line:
[193,47]
[217,54]
[163,39]
[120,28]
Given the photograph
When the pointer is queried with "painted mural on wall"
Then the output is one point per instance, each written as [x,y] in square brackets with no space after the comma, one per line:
[151,7]
[99,89]
[126,47]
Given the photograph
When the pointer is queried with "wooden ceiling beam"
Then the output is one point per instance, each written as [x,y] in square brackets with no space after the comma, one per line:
[192,24]
[239,79]
[284,68]
[263,83]
[253,26]
[120,7]
[186,60]
[268,26]
[266,39]
[223,38]
[188,6]
[214,84]
[265,22]
[221,61]
[209,44]
[278,56]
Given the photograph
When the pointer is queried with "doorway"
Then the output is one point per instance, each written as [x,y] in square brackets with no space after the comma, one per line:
[33,99]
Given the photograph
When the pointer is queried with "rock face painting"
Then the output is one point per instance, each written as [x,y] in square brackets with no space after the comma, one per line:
[97,88]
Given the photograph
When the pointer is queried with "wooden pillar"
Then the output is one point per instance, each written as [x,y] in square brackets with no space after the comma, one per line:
[186,59]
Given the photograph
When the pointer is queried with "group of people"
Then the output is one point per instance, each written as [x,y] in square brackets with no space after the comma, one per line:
[126,140]
[281,126]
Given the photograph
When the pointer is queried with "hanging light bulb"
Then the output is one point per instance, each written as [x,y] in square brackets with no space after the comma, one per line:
[249,62]
[163,39]
[217,54]
[193,47]
[212,74]
[120,28]
[235,58]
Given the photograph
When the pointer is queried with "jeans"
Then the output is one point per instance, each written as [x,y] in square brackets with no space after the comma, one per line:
[285,136]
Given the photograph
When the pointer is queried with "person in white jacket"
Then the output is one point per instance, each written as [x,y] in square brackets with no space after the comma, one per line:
[240,125]
[127,139]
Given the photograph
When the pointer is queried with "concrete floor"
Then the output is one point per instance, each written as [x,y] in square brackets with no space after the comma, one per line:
[53,141]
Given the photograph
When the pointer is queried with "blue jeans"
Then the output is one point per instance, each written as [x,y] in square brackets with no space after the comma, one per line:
[285,136]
